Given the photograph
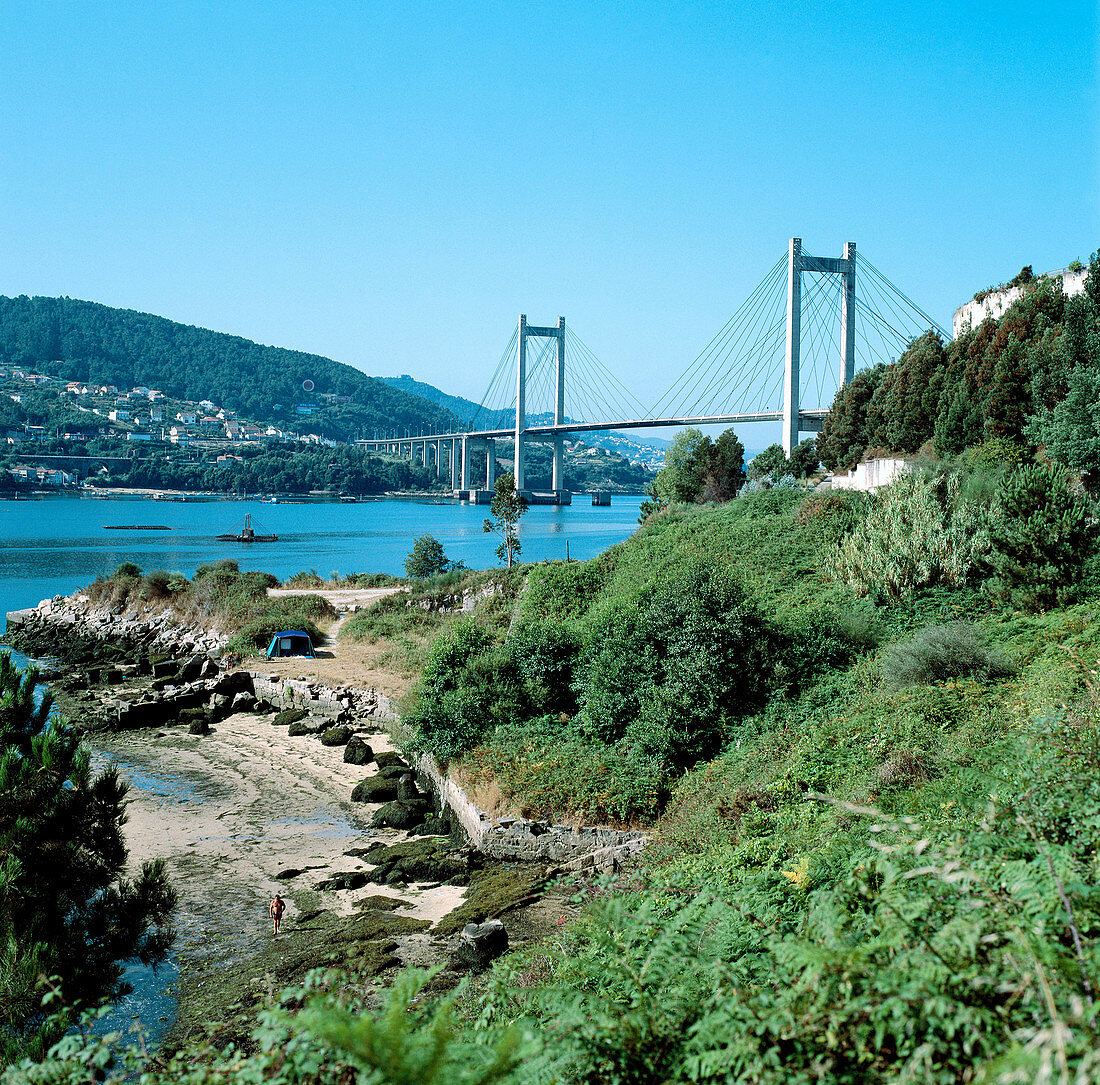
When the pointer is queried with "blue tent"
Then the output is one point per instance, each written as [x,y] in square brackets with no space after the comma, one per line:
[291,642]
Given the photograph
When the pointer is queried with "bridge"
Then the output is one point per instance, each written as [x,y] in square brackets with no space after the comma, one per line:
[764,365]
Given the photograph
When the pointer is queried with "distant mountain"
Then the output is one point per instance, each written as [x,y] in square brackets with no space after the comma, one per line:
[636,449]
[88,342]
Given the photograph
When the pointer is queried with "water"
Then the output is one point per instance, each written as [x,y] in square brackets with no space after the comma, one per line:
[56,545]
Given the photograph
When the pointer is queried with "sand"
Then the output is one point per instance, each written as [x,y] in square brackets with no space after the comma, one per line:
[229,811]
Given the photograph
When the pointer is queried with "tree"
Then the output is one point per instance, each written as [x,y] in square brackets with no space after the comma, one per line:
[804,461]
[507,507]
[697,469]
[1040,539]
[426,558]
[65,908]
[772,461]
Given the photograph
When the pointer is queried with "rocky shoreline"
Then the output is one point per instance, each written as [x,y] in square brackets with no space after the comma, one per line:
[257,754]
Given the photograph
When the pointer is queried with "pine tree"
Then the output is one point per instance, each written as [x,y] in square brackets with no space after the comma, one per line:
[1039,540]
[65,908]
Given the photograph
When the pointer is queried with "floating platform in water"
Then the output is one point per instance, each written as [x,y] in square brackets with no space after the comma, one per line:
[247,535]
[136,527]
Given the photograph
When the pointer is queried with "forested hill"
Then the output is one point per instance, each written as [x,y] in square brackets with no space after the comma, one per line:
[465,410]
[85,341]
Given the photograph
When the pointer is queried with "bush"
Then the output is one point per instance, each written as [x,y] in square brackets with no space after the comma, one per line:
[125,571]
[1040,539]
[938,652]
[426,558]
[918,532]
[155,585]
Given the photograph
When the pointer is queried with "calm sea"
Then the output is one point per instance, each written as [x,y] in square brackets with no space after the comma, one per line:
[58,544]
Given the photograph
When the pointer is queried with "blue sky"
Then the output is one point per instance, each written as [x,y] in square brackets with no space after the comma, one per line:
[390,185]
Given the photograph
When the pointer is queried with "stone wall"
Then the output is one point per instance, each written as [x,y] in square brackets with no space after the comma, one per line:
[517,838]
[997,302]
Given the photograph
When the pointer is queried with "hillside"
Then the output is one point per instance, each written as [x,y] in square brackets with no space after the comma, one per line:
[1027,379]
[85,341]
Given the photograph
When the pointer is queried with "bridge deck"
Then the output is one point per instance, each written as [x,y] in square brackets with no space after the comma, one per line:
[813,417]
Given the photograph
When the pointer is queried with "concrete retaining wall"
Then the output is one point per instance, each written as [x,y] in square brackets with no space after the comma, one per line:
[517,838]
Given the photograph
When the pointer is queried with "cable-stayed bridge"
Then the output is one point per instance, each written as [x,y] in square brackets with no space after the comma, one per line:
[799,336]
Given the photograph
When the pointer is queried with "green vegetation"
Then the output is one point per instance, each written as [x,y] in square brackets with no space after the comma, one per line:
[696,470]
[1029,378]
[66,911]
[507,507]
[220,596]
[426,558]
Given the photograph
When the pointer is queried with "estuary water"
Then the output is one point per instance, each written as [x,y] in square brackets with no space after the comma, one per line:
[55,545]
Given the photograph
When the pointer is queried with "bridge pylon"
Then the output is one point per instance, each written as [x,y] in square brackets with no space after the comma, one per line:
[530,331]
[797,263]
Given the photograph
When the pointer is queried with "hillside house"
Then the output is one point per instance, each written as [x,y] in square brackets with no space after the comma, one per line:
[119,414]
[188,418]
[872,474]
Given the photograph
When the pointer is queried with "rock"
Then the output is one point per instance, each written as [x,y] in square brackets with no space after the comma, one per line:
[165,668]
[357,752]
[390,759]
[399,814]
[303,727]
[394,772]
[406,788]
[374,789]
[286,875]
[114,676]
[437,825]
[355,880]
[480,944]
[192,669]
[336,736]
[199,727]
[243,702]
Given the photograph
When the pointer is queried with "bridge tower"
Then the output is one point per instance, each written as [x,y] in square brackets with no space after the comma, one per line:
[797,263]
[530,331]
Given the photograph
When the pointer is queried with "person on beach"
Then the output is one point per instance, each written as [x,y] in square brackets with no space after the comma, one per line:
[276,908]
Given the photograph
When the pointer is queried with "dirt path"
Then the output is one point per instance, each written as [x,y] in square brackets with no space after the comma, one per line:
[341,663]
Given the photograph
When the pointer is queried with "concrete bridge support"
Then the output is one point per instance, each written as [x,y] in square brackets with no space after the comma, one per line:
[797,263]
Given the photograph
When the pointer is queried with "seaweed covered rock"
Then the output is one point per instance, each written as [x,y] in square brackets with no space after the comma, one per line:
[288,716]
[391,759]
[303,727]
[336,736]
[480,944]
[400,814]
[415,861]
[374,789]
[358,752]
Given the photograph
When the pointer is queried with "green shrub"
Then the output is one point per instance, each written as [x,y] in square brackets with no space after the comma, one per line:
[937,652]
[155,585]
[1040,538]
[126,570]
[221,566]
[426,558]
[918,532]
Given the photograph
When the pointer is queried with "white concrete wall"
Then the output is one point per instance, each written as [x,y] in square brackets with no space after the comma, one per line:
[871,474]
[998,303]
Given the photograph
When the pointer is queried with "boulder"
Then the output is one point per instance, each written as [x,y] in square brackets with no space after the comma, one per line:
[357,752]
[390,759]
[165,668]
[406,788]
[480,944]
[243,702]
[400,814]
[436,825]
[303,727]
[199,727]
[374,789]
[192,669]
[336,736]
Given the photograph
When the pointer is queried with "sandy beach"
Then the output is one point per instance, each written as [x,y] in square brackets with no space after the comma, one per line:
[229,811]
